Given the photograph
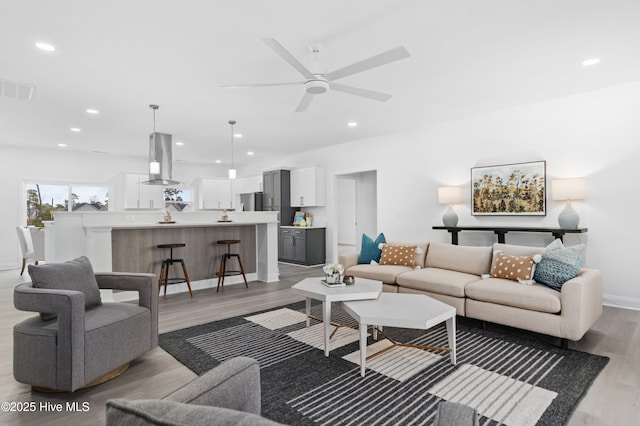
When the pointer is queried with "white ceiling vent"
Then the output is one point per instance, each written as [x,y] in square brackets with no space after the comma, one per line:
[16,90]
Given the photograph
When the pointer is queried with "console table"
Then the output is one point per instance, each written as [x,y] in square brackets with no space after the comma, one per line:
[500,231]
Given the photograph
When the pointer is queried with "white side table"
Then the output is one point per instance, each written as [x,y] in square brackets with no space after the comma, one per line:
[312,288]
[404,311]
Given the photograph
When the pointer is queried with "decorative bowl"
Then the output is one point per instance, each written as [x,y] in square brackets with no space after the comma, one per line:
[348,279]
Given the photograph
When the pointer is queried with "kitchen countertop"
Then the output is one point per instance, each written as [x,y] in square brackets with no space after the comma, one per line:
[301,227]
[177,225]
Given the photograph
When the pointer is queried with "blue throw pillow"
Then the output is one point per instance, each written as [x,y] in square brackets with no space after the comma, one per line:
[559,266]
[369,249]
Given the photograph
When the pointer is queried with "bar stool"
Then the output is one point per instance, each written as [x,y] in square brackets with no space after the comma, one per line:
[164,271]
[223,264]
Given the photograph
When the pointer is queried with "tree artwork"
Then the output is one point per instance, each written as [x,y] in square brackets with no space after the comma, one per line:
[513,189]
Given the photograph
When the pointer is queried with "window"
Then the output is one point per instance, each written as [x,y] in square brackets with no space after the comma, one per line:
[44,199]
[177,199]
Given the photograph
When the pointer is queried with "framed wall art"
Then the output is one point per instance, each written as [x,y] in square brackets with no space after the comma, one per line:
[509,189]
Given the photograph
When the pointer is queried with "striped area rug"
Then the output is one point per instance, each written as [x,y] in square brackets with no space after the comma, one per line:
[509,379]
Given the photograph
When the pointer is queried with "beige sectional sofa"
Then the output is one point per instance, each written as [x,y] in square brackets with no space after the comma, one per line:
[458,276]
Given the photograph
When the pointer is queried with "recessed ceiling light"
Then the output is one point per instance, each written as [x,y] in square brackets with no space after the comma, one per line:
[92,111]
[249,152]
[237,135]
[180,143]
[45,46]
[62,145]
[590,62]
[75,129]
[218,161]
[352,124]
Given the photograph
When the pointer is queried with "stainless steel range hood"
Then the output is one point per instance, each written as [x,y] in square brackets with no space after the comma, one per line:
[160,160]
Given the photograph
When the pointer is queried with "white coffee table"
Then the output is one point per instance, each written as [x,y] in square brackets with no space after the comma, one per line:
[312,288]
[404,311]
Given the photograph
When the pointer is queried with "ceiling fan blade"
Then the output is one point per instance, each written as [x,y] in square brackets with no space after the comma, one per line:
[274,45]
[377,96]
[372,62]
[304,103]
[239,86]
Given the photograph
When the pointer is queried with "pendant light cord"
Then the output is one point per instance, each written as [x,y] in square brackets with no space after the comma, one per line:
[232,122]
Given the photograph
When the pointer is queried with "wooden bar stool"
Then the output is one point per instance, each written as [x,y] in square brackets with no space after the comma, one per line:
[164,270]
[223,264]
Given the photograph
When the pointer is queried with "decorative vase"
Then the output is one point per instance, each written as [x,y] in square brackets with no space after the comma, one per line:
[333,278]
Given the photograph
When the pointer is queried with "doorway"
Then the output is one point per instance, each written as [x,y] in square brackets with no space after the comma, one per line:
[357,201]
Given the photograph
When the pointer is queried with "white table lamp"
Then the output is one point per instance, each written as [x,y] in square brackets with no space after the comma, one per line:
[567,190]
[450,195]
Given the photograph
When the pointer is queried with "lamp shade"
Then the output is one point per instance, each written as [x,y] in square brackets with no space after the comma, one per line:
[450,195]
[568,189]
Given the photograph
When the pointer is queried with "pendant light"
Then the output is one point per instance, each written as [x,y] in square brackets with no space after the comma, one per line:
[232,171]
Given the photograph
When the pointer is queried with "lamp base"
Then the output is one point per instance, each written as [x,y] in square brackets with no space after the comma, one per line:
[450,218]
[568,218]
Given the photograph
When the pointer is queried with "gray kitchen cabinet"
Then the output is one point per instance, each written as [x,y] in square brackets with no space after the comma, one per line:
[305,246]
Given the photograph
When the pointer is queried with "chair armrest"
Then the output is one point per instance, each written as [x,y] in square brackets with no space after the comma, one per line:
[68,305]
[581,299]
[348,259]
[234,384]
[144,284]
[26,297]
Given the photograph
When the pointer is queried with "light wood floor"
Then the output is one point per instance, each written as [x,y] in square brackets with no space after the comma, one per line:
[614,398]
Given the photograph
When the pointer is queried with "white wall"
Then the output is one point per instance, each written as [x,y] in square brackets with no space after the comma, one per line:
[595,135]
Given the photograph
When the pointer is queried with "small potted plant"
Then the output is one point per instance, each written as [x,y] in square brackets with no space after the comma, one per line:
[333,272]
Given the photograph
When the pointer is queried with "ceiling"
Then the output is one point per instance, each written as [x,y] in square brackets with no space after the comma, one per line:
[119,56]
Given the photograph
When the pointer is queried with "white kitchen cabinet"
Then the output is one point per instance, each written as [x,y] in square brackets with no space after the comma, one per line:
[215,194]
[139,195]
[248,185]
[308,187]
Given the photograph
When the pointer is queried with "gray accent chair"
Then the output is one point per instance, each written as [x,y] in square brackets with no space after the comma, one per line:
[81,346]
[228,394]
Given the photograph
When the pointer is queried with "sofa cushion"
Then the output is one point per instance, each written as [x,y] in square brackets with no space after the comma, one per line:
[471,260]
[385,273]
[369,249]
[559,265]
[536,297]
[514,250]
[167,413]
[398,255]
[421,250]
[436,280]
[75,275]
[515,268]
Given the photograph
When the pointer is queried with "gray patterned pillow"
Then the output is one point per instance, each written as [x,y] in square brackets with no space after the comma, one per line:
[559,265]
[75,274]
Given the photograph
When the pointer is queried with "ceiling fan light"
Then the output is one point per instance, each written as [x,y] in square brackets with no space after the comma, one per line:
[316,87]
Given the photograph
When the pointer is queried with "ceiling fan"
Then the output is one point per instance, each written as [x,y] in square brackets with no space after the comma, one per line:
[318,81]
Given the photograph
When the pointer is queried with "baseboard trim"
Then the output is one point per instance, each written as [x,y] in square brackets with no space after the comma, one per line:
[124,296]
[621,302]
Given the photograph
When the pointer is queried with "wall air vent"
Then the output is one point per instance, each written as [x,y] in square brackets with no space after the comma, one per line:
[16,90]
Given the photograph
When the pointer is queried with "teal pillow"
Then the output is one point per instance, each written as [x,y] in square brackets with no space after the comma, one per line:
[369,249]
[559,266]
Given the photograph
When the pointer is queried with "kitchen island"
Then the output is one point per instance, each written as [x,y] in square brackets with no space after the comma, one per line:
[126,242]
